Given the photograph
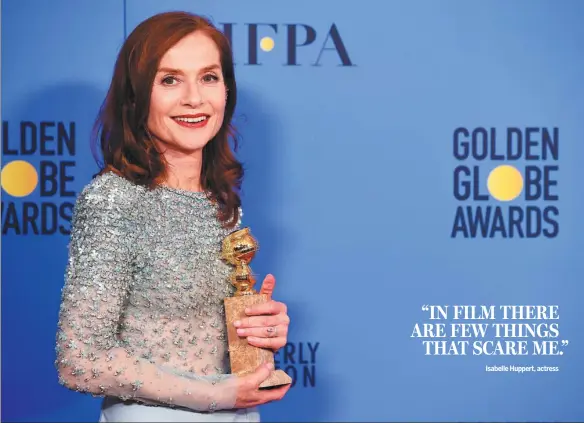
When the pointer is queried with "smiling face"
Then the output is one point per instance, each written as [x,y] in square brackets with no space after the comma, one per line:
[188,97]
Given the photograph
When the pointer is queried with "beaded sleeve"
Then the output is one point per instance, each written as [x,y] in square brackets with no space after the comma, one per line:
[90,357]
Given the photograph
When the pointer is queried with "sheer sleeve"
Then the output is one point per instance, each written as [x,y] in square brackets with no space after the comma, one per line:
[89,356]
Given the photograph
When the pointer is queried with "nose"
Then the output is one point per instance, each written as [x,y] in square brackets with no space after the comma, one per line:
[192,96]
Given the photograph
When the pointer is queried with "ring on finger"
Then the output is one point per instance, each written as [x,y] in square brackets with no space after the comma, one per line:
[272,331]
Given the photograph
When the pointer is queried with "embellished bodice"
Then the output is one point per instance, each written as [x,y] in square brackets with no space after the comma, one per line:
[144,291]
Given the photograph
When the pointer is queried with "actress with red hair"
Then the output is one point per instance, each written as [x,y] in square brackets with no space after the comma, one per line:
[142,320]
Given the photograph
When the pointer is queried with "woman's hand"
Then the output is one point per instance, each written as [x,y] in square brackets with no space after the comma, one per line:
[267,326]
[249,394]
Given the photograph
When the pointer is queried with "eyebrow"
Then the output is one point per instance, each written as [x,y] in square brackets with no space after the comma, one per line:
[179,72]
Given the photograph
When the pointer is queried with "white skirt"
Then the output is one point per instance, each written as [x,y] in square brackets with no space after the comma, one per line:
[114,410]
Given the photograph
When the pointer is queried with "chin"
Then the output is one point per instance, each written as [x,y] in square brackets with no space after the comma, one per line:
[191,147]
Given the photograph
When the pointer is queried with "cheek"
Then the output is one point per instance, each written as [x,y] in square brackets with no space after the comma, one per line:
[219,104]
[162,103]
[154,121]
[160,109]
[217,100]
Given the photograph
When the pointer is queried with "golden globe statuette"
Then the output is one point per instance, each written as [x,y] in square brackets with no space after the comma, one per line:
[239,248]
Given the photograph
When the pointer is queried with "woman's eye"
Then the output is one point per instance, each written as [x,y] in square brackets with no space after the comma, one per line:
[169,80]
[210,78]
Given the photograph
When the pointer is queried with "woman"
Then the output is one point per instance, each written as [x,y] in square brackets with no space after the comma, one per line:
[142,319]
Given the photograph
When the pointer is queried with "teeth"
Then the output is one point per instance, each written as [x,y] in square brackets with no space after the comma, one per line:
[192,120]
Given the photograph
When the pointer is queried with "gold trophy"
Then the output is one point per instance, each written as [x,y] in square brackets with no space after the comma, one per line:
[239,248]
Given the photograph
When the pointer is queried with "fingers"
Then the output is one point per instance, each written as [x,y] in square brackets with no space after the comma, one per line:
[264,332]
[269,307]
[256,378]
[268,285]
[269,343]
[249,393]
[262,321]
[274,394]
[261,373]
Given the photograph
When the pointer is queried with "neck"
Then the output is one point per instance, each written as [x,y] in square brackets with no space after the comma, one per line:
[184,170]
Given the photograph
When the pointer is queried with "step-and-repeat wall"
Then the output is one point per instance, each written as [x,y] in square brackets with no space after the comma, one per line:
[414,178]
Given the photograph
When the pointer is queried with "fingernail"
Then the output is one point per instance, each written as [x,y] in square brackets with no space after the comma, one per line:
[240,331]
[237,323]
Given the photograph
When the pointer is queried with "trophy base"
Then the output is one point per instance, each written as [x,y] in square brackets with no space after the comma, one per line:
[245,358]
[277,378]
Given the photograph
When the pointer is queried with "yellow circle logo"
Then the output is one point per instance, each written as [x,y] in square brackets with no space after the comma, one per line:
[266,44]
[505,183]
[19,178]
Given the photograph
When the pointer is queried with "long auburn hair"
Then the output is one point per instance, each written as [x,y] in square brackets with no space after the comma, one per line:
[120,131]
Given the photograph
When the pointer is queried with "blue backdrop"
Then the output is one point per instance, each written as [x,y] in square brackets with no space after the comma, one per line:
[364,196]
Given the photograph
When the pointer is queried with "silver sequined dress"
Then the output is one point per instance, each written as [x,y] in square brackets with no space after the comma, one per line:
[142,314]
